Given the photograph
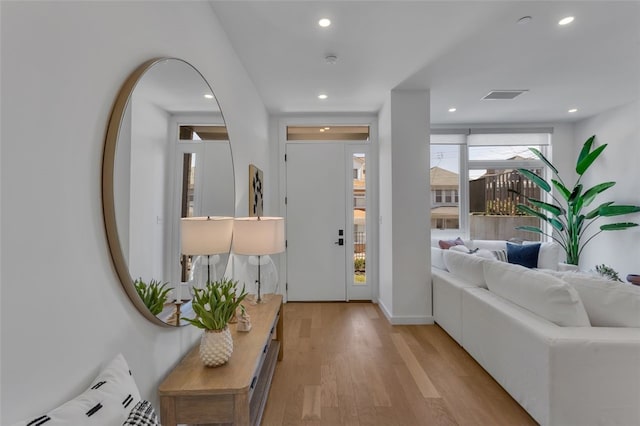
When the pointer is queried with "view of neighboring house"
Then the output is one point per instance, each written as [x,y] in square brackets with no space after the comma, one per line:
[445,197]
[491,197]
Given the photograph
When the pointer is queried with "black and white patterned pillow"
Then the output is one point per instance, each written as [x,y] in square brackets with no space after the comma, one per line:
[108,401]
[142,414]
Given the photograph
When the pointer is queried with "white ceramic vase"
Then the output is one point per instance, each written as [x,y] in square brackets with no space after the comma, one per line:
[216,347]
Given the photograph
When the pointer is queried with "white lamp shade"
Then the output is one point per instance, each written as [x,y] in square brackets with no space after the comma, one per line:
[253,236]
[205,235]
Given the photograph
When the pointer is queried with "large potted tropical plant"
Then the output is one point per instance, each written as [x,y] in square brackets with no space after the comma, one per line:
[568,214]
[214,305]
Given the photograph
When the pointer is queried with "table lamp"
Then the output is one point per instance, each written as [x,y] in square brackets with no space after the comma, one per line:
[210,235]
[258,236]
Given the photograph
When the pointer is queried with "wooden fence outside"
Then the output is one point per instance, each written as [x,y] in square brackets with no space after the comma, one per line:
[491,193]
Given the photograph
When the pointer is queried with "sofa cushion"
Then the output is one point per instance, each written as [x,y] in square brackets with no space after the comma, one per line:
[467,267]
[436,258]
[461,249]
[549,254]
[608,303]
[487,254]
[525,255]
[108,401]
[545,295]
[487,244]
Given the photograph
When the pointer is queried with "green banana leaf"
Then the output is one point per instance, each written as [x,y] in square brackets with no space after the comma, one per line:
[535,179]
[586,162]
[612,210]
[596,212]
[618,226]
[551,208]
[590,194]
[586,148]
[544,159]
[561,189]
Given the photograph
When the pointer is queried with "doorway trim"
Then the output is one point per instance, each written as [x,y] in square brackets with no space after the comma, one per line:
[372,185]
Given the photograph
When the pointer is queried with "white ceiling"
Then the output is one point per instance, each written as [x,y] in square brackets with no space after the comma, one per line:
[460,50]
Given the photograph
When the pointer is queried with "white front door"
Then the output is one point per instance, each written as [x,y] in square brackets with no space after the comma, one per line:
[316,176]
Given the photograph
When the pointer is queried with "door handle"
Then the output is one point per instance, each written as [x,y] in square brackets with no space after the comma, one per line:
[340,242]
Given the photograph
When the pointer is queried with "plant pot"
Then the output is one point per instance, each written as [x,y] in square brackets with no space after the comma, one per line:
[567,267]
[216,347]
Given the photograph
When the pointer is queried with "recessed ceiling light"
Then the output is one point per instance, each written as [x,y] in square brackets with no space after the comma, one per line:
[324,22]
[322,96]
[208,96]
[573,110]
[322,130]
[327,128]
[452,109]
[566,21]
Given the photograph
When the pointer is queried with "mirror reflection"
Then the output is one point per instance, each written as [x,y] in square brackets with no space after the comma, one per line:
[171,159]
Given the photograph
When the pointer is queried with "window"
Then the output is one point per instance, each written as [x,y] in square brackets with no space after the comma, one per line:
[473,179]
[203,133]
[445,181]
[328,133]
[448,197]
[359,219]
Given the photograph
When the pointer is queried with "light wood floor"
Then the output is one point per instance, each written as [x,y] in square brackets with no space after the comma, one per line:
[344,364]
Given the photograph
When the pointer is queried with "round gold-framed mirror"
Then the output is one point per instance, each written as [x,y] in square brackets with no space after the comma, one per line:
[167,156]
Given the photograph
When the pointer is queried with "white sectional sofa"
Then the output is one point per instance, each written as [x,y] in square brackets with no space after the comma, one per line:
[581,372]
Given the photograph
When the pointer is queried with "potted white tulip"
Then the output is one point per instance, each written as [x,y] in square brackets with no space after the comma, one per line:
[214,305]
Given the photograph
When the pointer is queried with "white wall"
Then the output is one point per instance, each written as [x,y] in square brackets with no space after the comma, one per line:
[385,180]
[148,191]
[404,157]
[563,150]
[619,129]
[63,311]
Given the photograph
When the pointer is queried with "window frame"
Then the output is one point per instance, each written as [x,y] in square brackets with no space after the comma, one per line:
[460,137]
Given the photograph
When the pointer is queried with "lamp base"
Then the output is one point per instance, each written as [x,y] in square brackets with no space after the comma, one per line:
[253,298]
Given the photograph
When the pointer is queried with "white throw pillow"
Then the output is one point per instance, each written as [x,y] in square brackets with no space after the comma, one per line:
[608,303]
[484,253]
[488,244]
[548,256]
[466,266]
[545,295]
[108,401]
[460,249]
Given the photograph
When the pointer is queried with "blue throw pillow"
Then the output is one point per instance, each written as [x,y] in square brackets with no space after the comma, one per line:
[525,255]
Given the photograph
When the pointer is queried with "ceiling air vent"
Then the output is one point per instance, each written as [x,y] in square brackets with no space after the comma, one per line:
[503,94]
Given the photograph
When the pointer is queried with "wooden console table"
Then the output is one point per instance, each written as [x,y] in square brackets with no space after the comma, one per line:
[236,392]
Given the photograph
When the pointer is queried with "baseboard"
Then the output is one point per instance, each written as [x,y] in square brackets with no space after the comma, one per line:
[405,320]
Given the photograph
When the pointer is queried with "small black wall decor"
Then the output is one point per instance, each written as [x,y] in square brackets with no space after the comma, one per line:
[256,185]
